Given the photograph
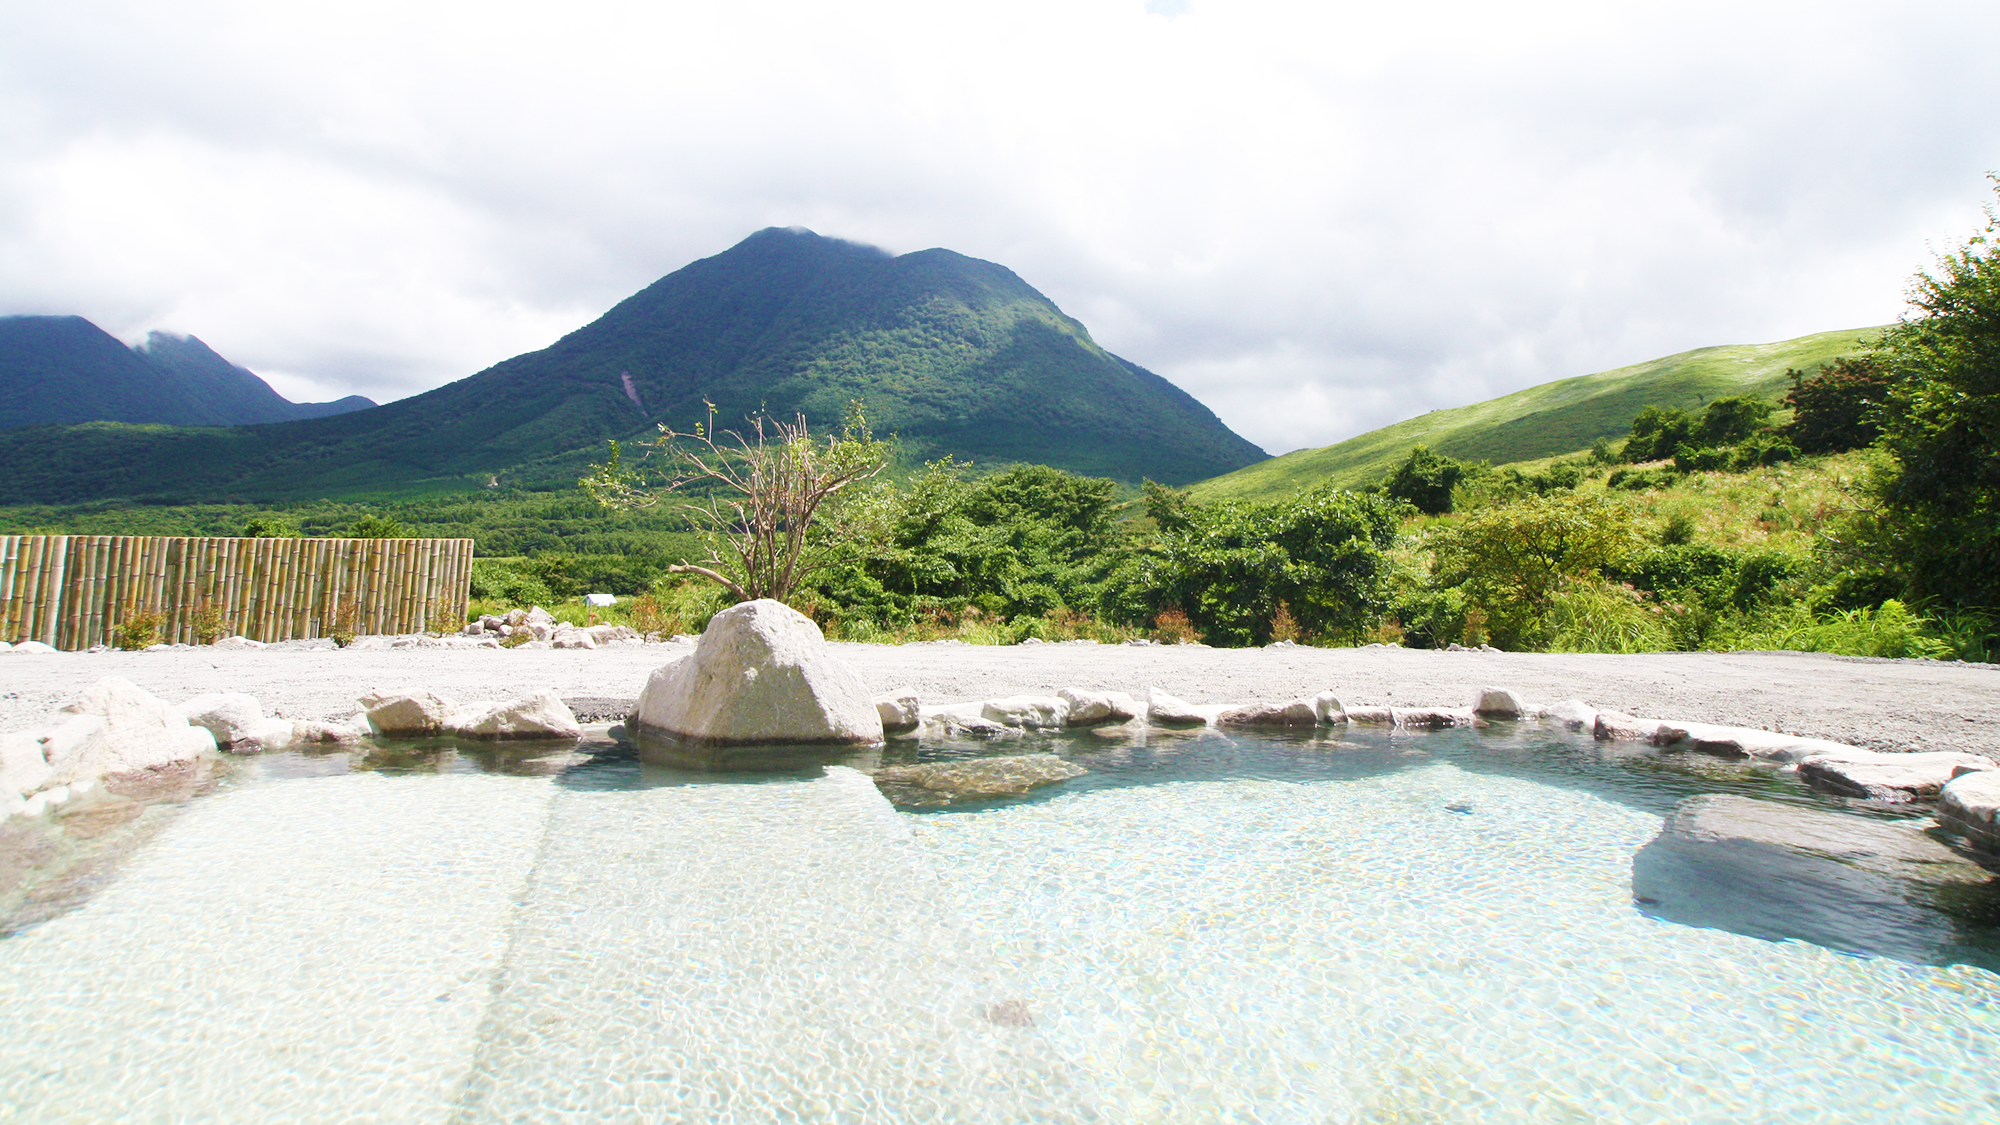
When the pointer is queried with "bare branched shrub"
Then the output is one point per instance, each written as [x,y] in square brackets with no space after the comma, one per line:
[754,496]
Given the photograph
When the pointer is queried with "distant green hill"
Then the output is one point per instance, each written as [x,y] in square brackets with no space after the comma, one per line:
[953,354]
[1559,417]
[64,369]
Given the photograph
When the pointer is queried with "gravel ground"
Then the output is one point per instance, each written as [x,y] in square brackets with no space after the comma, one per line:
[1885,704]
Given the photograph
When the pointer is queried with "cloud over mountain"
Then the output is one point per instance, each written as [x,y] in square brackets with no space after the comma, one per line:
[1317,218]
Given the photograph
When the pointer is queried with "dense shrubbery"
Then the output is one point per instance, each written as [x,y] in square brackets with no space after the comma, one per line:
[1941,431]
[1237,569]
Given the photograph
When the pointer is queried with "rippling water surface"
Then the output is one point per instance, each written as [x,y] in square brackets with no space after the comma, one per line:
[1438,927]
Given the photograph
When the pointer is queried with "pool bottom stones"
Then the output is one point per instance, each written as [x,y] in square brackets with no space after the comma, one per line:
[1207,926]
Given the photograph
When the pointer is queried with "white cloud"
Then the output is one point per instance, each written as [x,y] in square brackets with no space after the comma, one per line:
[1318,218]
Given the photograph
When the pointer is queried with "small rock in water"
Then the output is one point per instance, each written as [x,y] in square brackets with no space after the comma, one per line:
[1167,711]
[1297,713]
[1430,718]
[933,784]
[1572,714]
[1087,707]
[1969,805]
[540,714]
[900,712]
[947,724]
[1895,778]
[1027,710]
[1499,703]
[408,712]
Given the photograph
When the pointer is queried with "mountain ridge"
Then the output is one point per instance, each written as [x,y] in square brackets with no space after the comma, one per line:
[66,370]
[953,354]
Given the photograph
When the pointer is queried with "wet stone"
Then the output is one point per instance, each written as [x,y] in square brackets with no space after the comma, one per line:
[935,784]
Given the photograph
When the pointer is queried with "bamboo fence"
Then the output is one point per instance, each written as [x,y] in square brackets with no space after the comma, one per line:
[75,591]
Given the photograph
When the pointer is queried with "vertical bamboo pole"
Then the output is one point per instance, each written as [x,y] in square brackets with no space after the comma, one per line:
[378,586]
[28,589]
[300,607]
[213,586]
[225,580]
[76,572]
[75,606]
[326,589]
[10,570]
[111,582]
[413,610]
[309,590]
[258,576]
[239,586]
[105,589]
[288,594]
[170,590]
[396,562]
[280,610]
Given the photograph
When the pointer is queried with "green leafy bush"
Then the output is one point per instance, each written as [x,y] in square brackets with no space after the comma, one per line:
[1231,566]
[1425,480]
[1839,407]
[1513,559]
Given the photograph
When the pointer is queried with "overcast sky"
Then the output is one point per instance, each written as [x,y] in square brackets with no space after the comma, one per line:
[1316,217]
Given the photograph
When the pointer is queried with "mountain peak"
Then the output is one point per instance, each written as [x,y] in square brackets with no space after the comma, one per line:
[65,369]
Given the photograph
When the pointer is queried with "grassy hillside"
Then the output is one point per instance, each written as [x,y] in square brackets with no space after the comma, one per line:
[1559,417]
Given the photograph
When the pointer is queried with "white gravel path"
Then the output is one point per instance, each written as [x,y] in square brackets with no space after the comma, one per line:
[1886,704]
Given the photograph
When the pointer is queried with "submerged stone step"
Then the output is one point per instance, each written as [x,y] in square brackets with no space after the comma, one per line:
[311,949]
[772,951]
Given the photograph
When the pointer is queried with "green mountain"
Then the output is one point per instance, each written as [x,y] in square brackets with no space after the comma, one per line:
[953,354]
[1553,418]
[64,369]
[235,395]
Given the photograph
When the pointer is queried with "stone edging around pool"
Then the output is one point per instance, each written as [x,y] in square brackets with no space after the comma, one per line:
[1966,787]
[119,733]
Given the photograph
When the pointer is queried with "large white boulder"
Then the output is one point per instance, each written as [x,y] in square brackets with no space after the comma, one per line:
[761,673]
[406,712]
[33,648]
[540,714]
[116,727]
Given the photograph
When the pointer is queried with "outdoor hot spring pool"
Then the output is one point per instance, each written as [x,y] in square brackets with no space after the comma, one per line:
[1470,926]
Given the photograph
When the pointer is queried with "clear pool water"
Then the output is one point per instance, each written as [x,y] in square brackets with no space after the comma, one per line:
[1381,928]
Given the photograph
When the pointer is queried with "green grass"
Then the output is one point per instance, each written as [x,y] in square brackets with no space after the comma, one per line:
[1550,419]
